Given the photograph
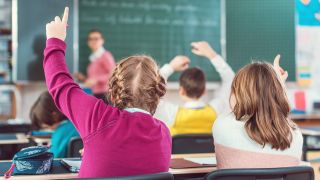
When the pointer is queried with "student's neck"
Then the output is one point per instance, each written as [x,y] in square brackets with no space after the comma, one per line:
[187,99]
[95,50]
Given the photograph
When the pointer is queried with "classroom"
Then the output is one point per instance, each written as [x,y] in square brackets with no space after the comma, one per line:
[160,89]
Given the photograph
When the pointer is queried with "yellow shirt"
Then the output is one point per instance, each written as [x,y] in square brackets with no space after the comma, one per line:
[194,121]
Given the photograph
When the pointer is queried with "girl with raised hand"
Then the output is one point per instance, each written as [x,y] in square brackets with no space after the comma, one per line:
[119,140]
[258,133]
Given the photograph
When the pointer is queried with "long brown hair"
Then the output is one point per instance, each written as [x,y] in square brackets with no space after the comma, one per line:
[261,101]
[136,82]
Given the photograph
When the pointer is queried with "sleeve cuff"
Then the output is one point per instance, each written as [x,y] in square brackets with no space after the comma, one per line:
[56,42]
[218,62]
[166,71]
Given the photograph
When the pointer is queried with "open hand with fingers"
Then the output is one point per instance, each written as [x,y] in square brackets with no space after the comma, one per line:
[58,28]
[203,48]
[180,63]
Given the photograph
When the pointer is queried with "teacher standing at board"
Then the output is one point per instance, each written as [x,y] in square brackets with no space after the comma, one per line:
[101,65]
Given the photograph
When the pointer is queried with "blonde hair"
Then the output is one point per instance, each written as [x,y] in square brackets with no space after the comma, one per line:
[261,101]
[136,82]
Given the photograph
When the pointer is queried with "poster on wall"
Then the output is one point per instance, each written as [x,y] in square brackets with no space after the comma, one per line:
[308,43]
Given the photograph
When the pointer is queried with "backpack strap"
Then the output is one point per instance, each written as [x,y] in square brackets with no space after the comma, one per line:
[9,172]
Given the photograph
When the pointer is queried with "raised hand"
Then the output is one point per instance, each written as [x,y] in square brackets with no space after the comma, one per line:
[180,63]
[202,48]
[58,28]
[276,65]
[90,82]
[79,76]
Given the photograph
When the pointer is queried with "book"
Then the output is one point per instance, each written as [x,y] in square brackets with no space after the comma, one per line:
[73,165]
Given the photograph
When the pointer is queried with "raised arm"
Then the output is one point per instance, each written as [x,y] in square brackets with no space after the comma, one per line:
[83,110]
[220,102]
[177,64]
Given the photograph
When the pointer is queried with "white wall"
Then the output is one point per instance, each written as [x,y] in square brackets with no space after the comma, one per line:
[30,92]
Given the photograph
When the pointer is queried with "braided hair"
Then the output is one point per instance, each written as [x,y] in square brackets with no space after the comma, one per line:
[136,82]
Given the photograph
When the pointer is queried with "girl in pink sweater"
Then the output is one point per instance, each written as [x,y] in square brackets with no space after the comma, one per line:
[123,140]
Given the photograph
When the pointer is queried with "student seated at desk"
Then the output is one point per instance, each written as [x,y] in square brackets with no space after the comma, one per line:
[195,116]
[258,132]
[119,140]
[45,115]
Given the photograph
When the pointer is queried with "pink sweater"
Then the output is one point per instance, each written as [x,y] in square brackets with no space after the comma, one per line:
[116,142]
[100,69]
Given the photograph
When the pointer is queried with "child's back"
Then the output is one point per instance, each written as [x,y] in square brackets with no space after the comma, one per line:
[235,149]
[126,144]
[191,120]
[116,142]
[61,137]
[258,132]
[195,116]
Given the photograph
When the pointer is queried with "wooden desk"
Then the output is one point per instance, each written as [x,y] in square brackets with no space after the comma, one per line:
[175,172]
[306,119]
[310,132]
[47,176]
[305,116]
[192,171]
[21,139]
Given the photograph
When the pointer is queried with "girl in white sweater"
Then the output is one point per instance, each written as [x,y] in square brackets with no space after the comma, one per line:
[258,132]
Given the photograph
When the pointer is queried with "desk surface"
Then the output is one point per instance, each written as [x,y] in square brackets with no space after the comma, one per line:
[20,139]
[315,166]
[305,116]
[173,171]
[310,132]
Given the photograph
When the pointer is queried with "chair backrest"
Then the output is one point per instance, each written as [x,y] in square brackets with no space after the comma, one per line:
[287,173]
[192,143]
[158,176]
[75,144]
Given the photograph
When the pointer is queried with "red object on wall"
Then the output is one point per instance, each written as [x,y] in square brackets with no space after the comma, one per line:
[300,100]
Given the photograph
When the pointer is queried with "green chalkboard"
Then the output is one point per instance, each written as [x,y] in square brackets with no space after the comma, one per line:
[160,28]
[260,29]
[32,17]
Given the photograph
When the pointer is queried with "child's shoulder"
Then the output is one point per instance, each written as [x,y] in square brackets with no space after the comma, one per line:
[228,119]
[107,54]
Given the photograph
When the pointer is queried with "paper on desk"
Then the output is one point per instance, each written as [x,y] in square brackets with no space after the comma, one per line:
[305,163]
[72,163]
[203,160]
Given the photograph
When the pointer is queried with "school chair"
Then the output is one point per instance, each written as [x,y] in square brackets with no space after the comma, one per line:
[158,176]
[75,144]
[287,173]
[192,143]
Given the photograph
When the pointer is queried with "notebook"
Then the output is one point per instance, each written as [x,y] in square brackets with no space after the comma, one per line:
[203,160]
[182,163]
[73,165]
